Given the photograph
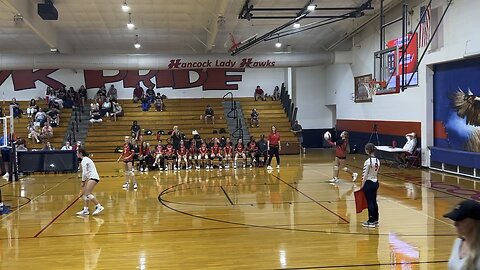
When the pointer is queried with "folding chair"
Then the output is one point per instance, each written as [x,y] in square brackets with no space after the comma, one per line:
[414,159]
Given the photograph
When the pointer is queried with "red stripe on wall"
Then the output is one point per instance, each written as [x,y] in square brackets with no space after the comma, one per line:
[395,128]
[439,131]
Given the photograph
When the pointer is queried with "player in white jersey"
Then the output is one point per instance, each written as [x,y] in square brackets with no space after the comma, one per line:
[90,179]
[370,185]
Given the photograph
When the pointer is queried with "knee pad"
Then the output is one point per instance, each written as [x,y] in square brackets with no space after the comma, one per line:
[345,169]
[84,197]
[335,168]
[90,197]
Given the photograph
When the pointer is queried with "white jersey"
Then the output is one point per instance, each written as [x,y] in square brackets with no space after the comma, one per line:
[89,171]
[455,262]
[410,144]
[370,169]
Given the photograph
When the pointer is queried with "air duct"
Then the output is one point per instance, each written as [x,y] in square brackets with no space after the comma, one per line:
[161,62]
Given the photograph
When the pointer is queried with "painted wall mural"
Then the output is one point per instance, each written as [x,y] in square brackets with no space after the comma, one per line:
[457,105]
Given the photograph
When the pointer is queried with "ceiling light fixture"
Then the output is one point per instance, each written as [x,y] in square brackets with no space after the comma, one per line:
[311,8]
[125,7]
[130,25]
[137,44]
[278,44]
[296,25]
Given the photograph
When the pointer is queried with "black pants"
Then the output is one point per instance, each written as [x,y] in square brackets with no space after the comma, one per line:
[370,188]
[273,151]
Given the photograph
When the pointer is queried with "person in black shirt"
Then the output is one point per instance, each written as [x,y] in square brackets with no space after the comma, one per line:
[297,129]
[262,149]
[209,114]
[135,129]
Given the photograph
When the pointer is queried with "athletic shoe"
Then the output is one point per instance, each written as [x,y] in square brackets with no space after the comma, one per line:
[333,180]
[368,224]
[234,166]
[376,223]
[269,167]
[135,186]
[141,169]
[278,166]
[146,170]
[160,169]
[6,175]
[244,166]
[220,167]
[125,186]
[83,213]
[198,167]
[354,176]
[251,166]
[99,209]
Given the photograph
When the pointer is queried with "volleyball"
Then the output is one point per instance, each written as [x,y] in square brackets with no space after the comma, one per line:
[327,136]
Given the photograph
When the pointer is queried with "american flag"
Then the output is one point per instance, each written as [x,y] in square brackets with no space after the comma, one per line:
[424,34]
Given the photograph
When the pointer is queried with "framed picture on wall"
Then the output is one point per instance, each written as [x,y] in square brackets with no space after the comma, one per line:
[361,91]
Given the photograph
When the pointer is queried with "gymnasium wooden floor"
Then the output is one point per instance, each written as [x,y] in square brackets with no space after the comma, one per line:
[243,219]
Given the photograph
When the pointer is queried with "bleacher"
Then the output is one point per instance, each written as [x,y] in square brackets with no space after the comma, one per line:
[58,132]
[104,137]
[271,113]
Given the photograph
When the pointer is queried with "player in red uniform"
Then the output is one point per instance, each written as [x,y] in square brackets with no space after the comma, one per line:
[342,148]
[192,154]
[274,147]
[127,157]
[252,149]
[182,154]
[202,156]
[159,155]
[227,153]
[169,154]
[216,152]
[239,152]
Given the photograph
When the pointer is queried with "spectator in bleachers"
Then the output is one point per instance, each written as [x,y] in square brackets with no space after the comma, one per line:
[254,122]
[33,132]
[48,147]
[68,98]
[259,93]
[21,145]
[17,112]
[32,108]
[106,109]
[135,130]
[112,93]
[61,93]
[47,132]
[95,115]
[82,92]
[101,93]
[137,93]
[159,103]
[150,93]
[117,110]
[145,103]
[209,114]
[262,150]
[276,93]
[66,147]
[40,117]
[49,94]
[53,117]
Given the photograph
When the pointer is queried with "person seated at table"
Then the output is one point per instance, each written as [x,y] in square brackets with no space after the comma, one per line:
[409,147]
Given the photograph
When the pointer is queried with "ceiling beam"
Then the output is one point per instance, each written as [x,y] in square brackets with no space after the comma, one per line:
[216,21]
[48,34]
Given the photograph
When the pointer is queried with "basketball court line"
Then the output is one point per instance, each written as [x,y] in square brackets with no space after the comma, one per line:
[56,217]
[363,265]
[301,192]
[226,195]
[34,198]
[287,229]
